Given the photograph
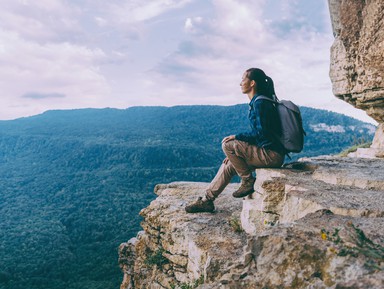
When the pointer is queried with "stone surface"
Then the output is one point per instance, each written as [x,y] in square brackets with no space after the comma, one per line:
[297,255]
[377,148]
[345,186]
[357,59]
[192,245]
[288,237]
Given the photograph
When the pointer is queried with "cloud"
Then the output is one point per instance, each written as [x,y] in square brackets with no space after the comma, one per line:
[191,24]
[207,66]
[71,54]
[37,95]
[39,20]
[239,19]
[101,21]
[62,68]
[240,36]
[134,11]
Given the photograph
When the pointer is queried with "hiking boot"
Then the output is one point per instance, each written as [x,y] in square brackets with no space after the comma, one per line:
[246,188]
[200,206]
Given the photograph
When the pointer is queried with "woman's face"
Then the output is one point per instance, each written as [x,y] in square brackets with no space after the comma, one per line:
[246,84]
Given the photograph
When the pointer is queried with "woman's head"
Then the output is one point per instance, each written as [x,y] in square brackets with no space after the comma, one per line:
[263,83]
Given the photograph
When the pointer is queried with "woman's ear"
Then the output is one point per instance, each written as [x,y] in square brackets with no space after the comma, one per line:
[253,83]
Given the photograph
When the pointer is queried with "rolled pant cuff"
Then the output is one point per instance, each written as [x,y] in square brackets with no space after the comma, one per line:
[210,196]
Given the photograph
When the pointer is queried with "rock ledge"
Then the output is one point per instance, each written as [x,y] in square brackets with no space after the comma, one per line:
[283,236]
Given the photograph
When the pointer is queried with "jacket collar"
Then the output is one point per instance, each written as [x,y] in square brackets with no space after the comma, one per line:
[254,99]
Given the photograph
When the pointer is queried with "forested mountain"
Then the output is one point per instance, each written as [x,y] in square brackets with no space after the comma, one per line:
[73,182]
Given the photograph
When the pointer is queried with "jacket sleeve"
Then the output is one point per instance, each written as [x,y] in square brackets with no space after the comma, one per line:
[258,118]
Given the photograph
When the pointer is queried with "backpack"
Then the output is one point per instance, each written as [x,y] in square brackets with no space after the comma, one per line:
[292,131]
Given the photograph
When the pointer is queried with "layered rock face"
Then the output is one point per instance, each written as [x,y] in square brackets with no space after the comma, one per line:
[357,59]
[176,247]
[318,223]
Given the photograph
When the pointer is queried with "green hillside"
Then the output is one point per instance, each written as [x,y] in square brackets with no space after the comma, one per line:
[73,182]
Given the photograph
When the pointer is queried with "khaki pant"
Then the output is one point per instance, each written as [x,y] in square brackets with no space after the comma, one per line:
[244,158]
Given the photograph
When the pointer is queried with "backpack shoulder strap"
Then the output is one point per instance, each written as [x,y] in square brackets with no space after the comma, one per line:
[266,98]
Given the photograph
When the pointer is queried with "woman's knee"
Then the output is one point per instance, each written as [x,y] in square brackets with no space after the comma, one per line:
[228,146]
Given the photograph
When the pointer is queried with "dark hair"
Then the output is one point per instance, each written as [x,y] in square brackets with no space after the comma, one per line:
[264,83]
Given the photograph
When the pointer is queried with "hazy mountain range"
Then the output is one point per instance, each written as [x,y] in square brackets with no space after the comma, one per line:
[72,182]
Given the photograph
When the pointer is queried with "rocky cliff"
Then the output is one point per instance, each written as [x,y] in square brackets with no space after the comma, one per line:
[318,223]
[357,60]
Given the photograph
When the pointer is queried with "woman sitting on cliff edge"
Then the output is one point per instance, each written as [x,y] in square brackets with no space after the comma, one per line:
[247,151]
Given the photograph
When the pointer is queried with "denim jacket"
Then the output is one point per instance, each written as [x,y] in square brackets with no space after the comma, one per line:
[264,122]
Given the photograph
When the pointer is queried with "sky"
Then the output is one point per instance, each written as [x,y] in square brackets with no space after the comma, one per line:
[69,54]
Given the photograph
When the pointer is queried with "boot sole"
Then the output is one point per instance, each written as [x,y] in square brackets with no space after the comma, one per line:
[242,195]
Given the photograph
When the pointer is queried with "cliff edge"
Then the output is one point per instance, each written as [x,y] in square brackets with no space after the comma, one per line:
[318,223]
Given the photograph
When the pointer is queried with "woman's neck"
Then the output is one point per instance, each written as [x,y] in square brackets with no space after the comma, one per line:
[251,94]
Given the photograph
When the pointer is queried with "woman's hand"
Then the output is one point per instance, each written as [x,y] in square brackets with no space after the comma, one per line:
[228,138]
